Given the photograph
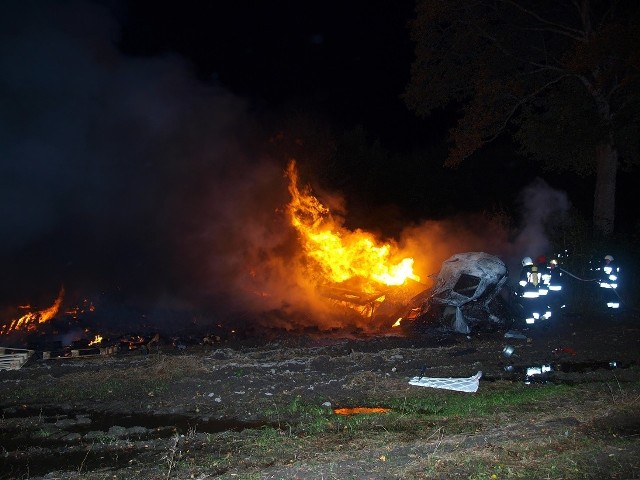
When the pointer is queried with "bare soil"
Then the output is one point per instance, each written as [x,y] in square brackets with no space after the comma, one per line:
[244,408]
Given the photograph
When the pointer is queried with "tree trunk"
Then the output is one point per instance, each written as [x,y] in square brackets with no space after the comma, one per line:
[604,201]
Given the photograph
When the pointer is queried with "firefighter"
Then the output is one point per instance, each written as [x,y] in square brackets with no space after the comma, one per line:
[528,291]
[555,284]
[608,274]
[543,287]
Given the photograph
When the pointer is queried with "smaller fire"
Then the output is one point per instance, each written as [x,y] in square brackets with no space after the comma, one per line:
[30,320]
[97,340]
[133,342]
[87,306]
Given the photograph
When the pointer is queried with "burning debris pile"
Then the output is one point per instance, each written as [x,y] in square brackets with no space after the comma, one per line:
[30,320]
[341,255]
[330,278]
[68,328]
[62,331]
[351,269]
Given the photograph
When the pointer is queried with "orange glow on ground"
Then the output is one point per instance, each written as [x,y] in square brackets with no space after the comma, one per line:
[360,410]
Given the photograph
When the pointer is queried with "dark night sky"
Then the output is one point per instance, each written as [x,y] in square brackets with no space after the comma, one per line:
[347,59]
[132,137]
[343,63]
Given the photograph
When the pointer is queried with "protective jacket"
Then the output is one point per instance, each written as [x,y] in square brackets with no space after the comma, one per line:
[609,279]
[555,279]
[608,275]
[545,277]
[528,291]
[529,281]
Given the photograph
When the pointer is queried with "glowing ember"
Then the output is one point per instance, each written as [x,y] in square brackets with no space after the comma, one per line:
[397,323]
[360,410]
[30,320]
[133,342]
[86,306]
[341,254]
[97,340]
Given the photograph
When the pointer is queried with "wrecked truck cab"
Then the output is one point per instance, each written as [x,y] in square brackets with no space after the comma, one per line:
[467,296]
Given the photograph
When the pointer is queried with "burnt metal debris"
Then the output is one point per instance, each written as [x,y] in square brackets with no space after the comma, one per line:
[469,294]
[508,351]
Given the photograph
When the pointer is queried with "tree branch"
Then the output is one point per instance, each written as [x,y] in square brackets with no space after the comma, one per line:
[521,102]
[565,30]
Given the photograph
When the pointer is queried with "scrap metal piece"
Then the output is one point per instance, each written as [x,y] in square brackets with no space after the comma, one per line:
[508,351]
[516,335]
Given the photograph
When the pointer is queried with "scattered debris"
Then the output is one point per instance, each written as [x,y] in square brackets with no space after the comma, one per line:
[211,339]
[544,373]
[461,353]
[80,352]
[567,350]
[536,371]
[469,384]
[179,344]
[13,358]
[509,351]
[516,335]
[153,341]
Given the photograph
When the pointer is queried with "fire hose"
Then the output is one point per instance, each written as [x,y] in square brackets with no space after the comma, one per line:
[615,290]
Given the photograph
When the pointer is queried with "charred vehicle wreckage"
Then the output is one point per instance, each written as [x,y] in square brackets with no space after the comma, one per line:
[470,294]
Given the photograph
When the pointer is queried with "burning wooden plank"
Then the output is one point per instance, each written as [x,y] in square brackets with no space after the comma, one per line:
[30,320]
[350,296]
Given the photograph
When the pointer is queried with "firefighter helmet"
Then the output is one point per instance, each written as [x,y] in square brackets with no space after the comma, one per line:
[608,257]
[527,261]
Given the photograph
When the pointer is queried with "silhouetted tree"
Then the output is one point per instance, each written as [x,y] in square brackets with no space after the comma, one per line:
[562,76]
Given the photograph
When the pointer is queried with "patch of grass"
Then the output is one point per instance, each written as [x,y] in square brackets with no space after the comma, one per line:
[555,458]
[42,433]
[215,463]
[295,405]
[455,404]
[268,438]
[301,417]
[519,435]
[504,431]
[103,438]
[413,414]
[104,384]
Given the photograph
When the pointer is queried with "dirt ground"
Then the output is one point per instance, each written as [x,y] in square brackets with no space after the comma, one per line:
[190,410]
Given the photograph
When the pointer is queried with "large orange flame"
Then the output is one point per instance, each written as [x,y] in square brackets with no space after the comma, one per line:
[338,253]
[30,320]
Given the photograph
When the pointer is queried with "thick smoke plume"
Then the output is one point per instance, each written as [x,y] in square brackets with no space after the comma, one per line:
[123,176]
[541,208]
[132,182]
